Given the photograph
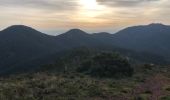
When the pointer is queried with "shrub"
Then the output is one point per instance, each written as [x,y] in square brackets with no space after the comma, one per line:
[106,65]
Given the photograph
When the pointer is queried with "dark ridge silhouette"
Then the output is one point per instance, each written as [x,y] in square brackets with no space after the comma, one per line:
[24,48]
[152,38]
[76,32]
[21,44]
[102,34]
[19,28]
[105,37]
[77,38]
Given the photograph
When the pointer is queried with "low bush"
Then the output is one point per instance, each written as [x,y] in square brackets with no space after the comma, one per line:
[107,65]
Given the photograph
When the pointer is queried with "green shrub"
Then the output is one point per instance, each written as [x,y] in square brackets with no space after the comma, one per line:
[106,65]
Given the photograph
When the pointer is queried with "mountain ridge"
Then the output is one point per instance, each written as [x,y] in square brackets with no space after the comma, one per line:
[22,45]
[151,38]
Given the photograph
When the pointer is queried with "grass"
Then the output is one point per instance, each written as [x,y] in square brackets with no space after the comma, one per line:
[76,86]
[166,98]
[42,86]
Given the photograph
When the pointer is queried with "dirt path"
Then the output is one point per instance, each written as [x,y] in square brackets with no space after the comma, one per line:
[153,88]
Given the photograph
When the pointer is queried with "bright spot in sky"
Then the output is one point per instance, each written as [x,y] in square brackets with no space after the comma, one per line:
[91,9]
[89,4]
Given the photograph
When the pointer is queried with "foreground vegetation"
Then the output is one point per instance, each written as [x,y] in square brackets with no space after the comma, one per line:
[147,84]
[43,86]
[90,75]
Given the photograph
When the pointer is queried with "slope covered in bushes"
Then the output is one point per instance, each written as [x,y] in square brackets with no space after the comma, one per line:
[106,65]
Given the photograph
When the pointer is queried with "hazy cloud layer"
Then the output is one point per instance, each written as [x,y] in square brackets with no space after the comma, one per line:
[40,4]
[124,3]
[87,14]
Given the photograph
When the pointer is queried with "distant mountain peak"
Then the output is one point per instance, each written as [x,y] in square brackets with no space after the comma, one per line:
[19,28]
[157,25]
[75,32]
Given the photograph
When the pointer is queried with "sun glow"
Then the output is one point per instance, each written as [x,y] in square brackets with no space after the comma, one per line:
[89,4]
[90,9]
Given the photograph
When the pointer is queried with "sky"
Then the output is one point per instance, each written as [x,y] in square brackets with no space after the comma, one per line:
[57,16]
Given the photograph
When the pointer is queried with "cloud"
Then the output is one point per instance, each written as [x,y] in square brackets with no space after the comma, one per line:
[124,3]
[41,13]
[53,14]
[59,5]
